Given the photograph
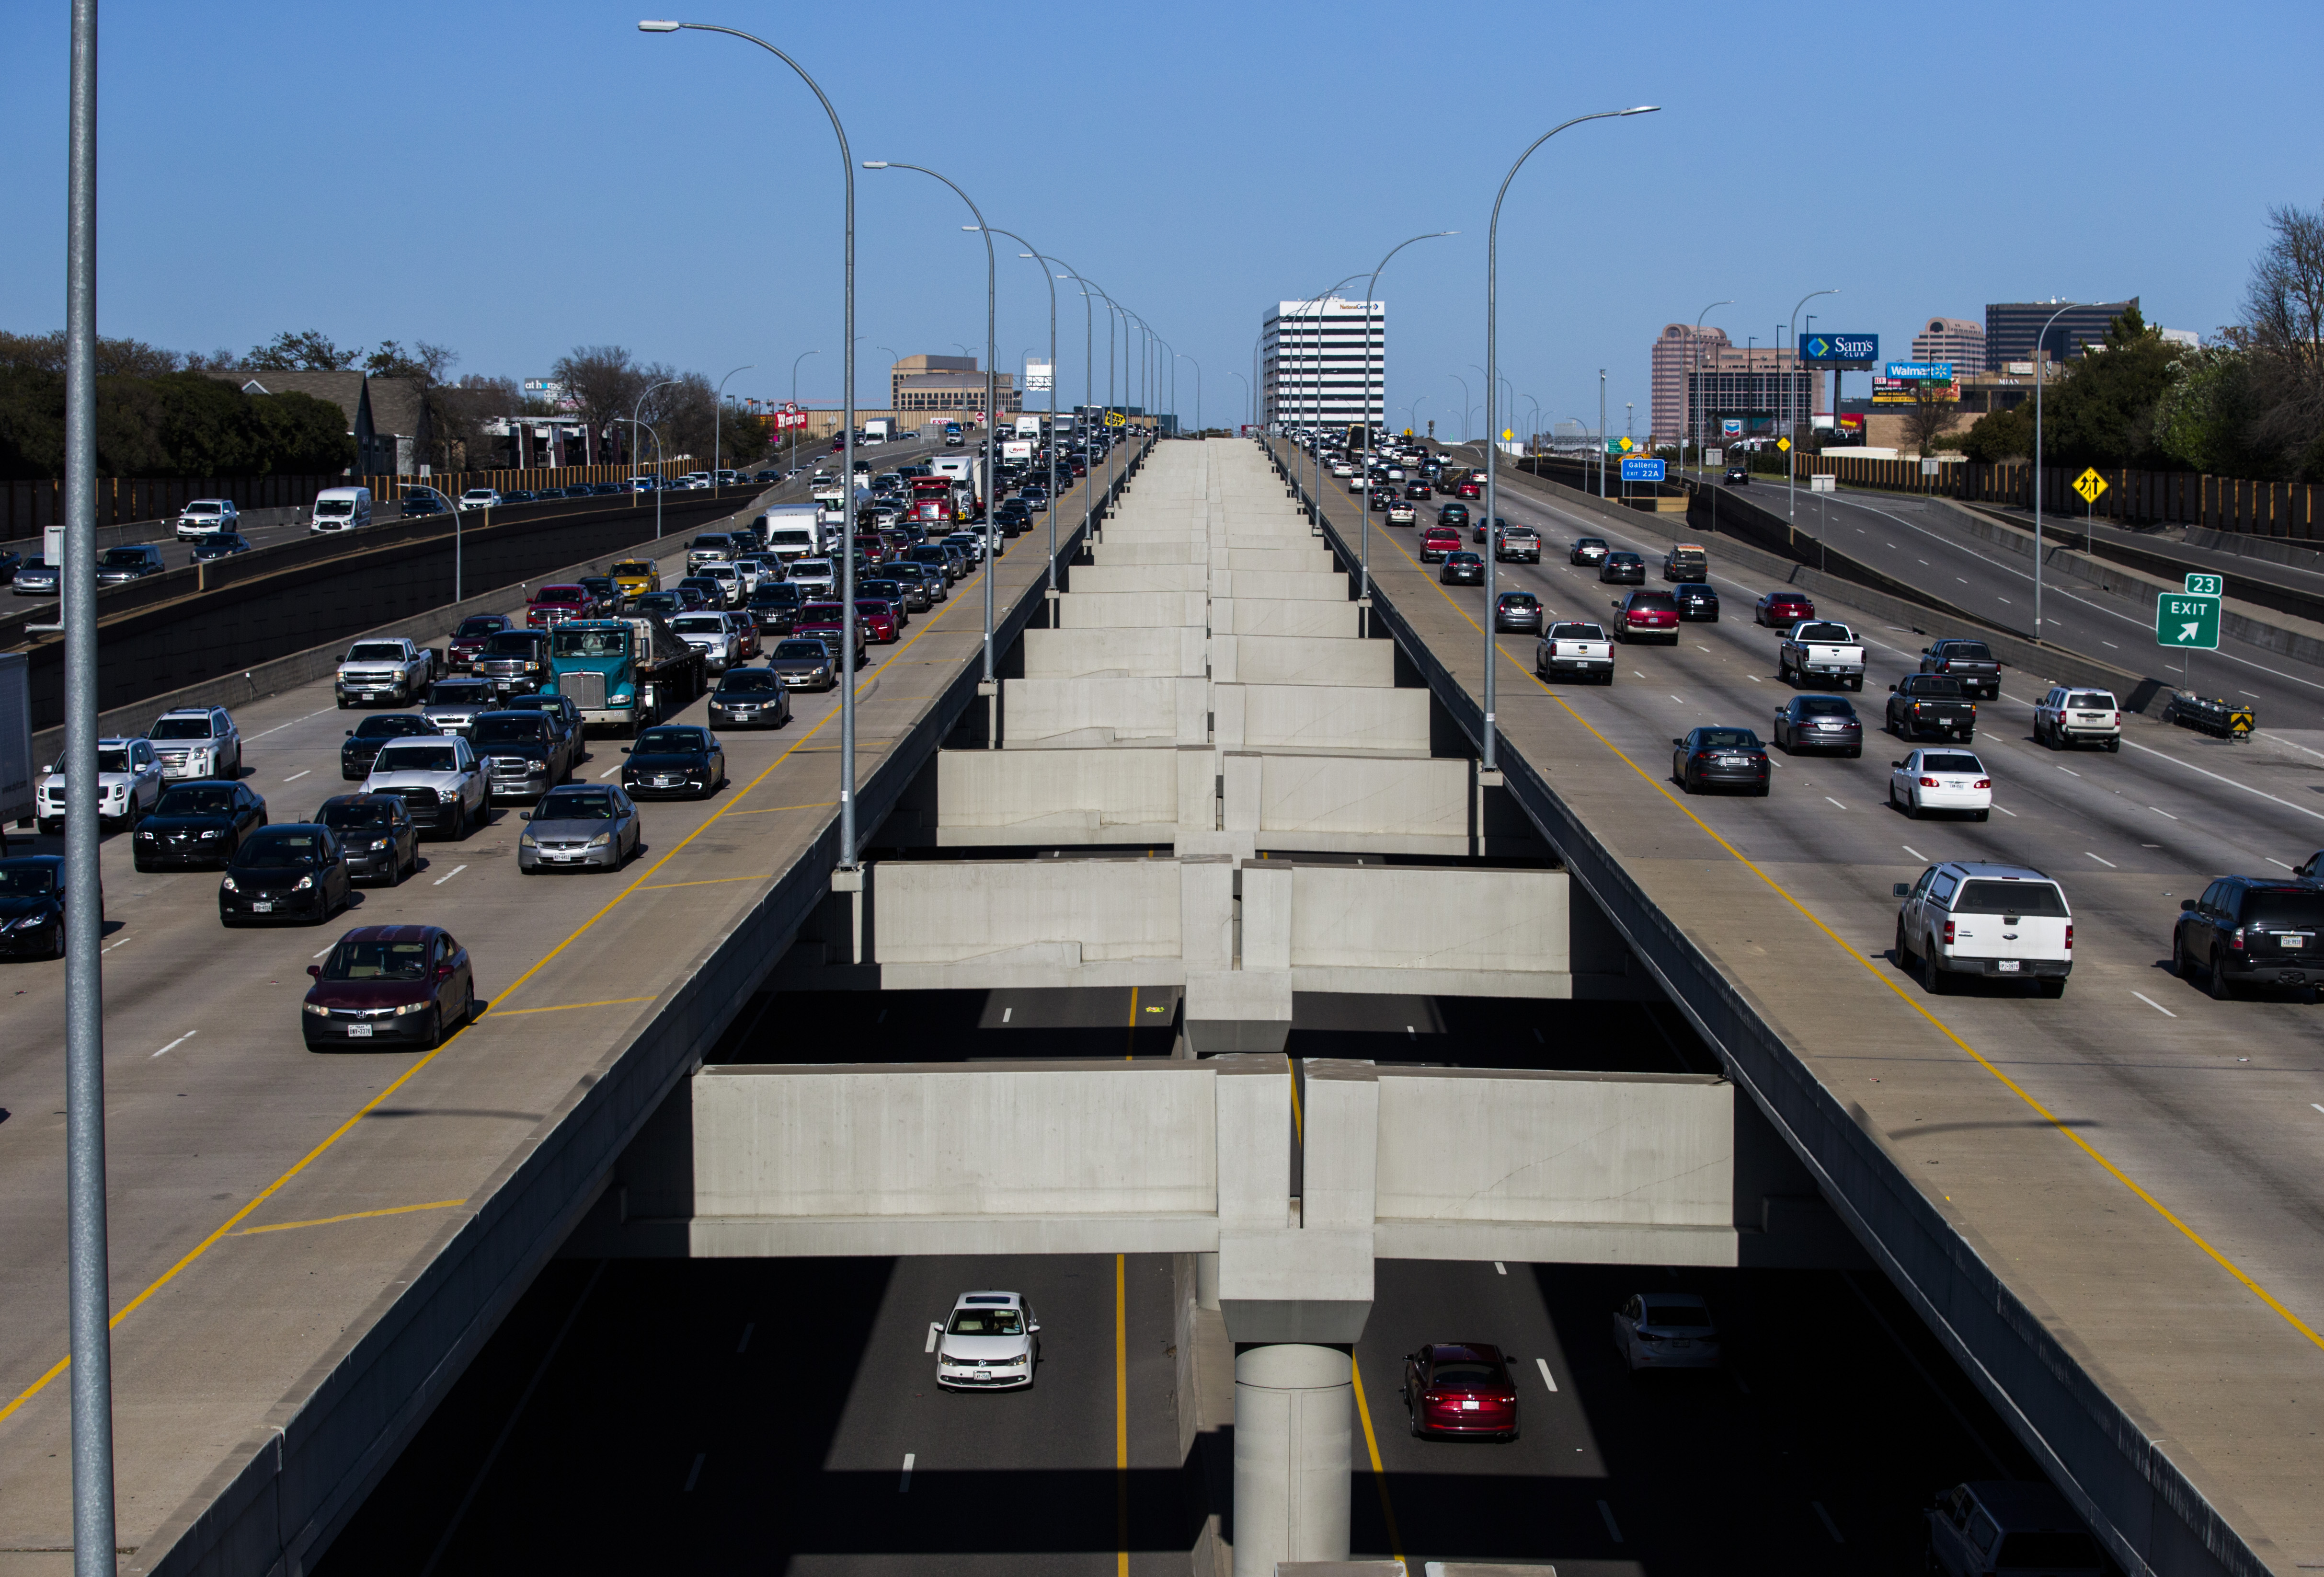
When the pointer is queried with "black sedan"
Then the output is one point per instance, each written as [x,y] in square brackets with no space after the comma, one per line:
[220,545]
[1818,723]
[1731,756]
[33,906]
[1623,569]
[294,870]
[1696,602]
[1516,610]
[750,697]
[1586,550]
[1739,476]
[1417,491]
[196,824]
[675,761]
[1463,568]
[377,837]
[1379,500]
[362,745]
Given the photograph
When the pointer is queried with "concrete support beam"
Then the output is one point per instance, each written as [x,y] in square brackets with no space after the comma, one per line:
[1106,579]
[1321,717]
[1154,651]
[1082,713]
[1301,660]
[1121,796]
[1264,616]
[1294,1449]
[1132,610]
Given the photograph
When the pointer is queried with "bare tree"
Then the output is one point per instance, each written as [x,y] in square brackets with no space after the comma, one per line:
[603,382]
[1933,412]
[310,351]
[2282,328]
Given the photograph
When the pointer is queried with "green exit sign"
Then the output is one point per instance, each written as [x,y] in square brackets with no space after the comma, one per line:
[2181,620]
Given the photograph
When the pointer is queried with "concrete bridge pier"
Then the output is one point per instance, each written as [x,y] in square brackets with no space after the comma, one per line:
[1294,1451]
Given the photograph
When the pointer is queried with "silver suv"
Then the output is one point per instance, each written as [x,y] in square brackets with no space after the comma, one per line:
[2067,716]
[1971,918]
[197,742]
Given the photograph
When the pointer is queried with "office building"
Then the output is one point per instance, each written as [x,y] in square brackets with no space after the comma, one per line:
[947,385]
[1312,363]
[2012,326]
[1951,339]
[1702,384]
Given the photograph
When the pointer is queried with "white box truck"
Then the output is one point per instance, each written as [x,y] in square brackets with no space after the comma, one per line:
[1030,428]
[879,429]
[793,530]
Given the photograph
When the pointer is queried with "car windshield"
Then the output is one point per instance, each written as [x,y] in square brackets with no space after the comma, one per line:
[375,651]
[2097,700]
[357,813]
[1950,761]
[699,624]
[633,569]
[881,590]
[1937,685]
[986,1322]
[24,880]
[562,594]
[1996,897]
[1726,739]
[376,960]
[584,641]
[453,693]
[529,728]
[335,506]
[658,603]
[195,799]
[483,625]
[1693,1315]
[395,725]
[1821,631]
[205,506]
[808,650]
[116,760]
[126,557]
[1969,651]
[417,757]
[510,643]
[180,728]
[777,595]
[587,805]
[811,569]
[818,613]
[1462,1374]
[1825,707]
[279,848]
[748,681]
[2284,905]
[663,742]
[1576,633]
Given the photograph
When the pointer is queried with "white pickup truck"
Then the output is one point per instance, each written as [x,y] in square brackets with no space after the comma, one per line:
[395,670]
[1574,649]
[1821,650]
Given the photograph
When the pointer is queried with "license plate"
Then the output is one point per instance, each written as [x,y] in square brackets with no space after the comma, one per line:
[2293,941]
[1735,760]
[2007,965]
[1678,1346]
[1468,1406]
[984,1374]
[263,908]
[359,1032]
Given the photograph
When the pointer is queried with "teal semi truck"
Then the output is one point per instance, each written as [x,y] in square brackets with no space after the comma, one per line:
[624,674]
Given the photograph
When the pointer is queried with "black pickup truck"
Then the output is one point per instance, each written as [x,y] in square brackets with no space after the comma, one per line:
[1931,706]
[1971,662]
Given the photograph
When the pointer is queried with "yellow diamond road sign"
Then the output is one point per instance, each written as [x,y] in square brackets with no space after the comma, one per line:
[1506,435]
[1115,419]
[1783,443]
[2089,485]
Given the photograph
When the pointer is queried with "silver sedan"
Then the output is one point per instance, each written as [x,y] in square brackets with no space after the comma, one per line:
[580,826]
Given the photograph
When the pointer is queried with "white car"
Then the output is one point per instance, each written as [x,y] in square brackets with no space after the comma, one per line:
[128,785]
[1666,1329]
[812,574]
[729,579]
[990,1343]
[711,635]
[480,498]
[206,517]
[438,779]
[2067,716]
[1975,917]
[196,742]
[1940,780]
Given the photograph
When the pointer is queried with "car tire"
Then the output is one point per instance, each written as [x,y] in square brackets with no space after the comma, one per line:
[2114,745]
[459,832]
[1904,959]
[1686,780]
[2216,982]
[435,1036]
[140,866]
[57,942]
[1932,976]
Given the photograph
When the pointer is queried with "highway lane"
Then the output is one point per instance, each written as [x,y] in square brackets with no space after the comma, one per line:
[223,1237]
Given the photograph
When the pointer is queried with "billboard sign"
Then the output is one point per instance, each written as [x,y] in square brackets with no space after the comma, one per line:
[1827,350]
[1923,372]
[1731,427]
[1040,375]
[1908,391]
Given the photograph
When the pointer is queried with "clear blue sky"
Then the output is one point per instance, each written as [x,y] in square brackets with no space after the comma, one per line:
[515,177]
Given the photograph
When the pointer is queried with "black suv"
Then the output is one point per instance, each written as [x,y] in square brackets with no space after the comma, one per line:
[126,563]
[362,745]
[2250,930]
[1971,662]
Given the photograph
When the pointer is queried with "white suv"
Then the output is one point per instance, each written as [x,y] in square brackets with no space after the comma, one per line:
[479,498]
[2008,922]
[206,517]
[196,742]
[128,785]
[2067,716]
[989,1343]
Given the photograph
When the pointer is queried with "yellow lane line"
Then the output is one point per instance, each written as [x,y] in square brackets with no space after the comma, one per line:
[228,1227]
[771,809]
[1885,977]
[568,1007]
[1121,1416]
[1372,1445]
[705,882]
[329,1221]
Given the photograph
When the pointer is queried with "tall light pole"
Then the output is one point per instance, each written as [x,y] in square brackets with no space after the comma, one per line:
[1694,383]
[1602,432]
[991,485]
[1364,563]
[1247,395]
[2040,376]
[717,414]
[1049,280]
[1089,360]
[796,424]
[1182,356]
[1315,446]
[1792,472]
[1466,404]
[634,410]
[1492,364]
[88,1273]
[847,859]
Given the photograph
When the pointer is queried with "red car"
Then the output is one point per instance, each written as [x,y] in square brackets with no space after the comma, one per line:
[468,641]
[1783,609]
[1644,616]
[1438,541]
[1460,1389]
[553,605]
[880,616]
[1472,490]
[389,986]
[825,621]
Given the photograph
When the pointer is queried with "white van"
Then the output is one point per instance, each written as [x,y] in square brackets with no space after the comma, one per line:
[341,509]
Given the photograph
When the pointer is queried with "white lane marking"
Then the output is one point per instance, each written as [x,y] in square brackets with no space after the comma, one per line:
[2108,863]
[2150,1003]
[326,950]
[1963,579]
[2161,812]
[292,723]
[2109,644]
[2010,813]
[1499,1268]
[694,1474]
[1005,1011]
[2004,599]
[122,942]
[294,777]
[1550,1379]
[1828,1525]
[2318,1108]
[181,1040]
[936,1329]
[1613,1528]
[1924,564]
[1753,677]
[609,771]
[2274,861]
[1702,648]
[2067,770]
[904,1483]
[1912,850]
[2230,782]
[447,876]
[1634,671]
[1828,799]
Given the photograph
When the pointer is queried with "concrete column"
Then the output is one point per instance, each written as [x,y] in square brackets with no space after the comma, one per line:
[1295,1423]
[1206,1280]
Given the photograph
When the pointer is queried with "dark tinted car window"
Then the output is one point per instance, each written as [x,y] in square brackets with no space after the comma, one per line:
[27,880]
[587,805]
[1825,707]
[2011,897]
[1936,685]
[811,650]
[276,848]
[2281,906]
[397,724]
[1950,761]
[457,693]
[483,625]
[360,813]
[353,960]
[748,681]
[1819,630]
[195,799]
[1969,650]
[1691,1315]
[1653,599]
[507,730]
[1726,739]
[669,740]
[1456,1374]
[512,643]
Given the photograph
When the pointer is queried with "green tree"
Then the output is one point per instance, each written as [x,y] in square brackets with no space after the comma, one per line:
[2102,412]
[2000,435]
[310,351]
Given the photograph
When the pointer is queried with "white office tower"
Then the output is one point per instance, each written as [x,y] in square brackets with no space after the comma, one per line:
[1312,360]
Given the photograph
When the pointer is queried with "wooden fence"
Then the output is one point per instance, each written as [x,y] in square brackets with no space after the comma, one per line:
[2290,510]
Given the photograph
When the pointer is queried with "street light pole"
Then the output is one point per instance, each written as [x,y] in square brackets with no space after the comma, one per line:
[1364,563]
[1465,404]
[1602,432]
[2040,376]
[1198,391]
[718,415]
[796,424]
[1049,280]
[1792,472]
[634,410]
[847,851]
[1694,384]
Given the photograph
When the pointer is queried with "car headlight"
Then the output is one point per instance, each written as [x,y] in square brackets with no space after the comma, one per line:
[304,884]
[212,832]
[144,837]
[229,885]
[380,845]
[526,841]
[316,1009]
[602,841]
[410,1008]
